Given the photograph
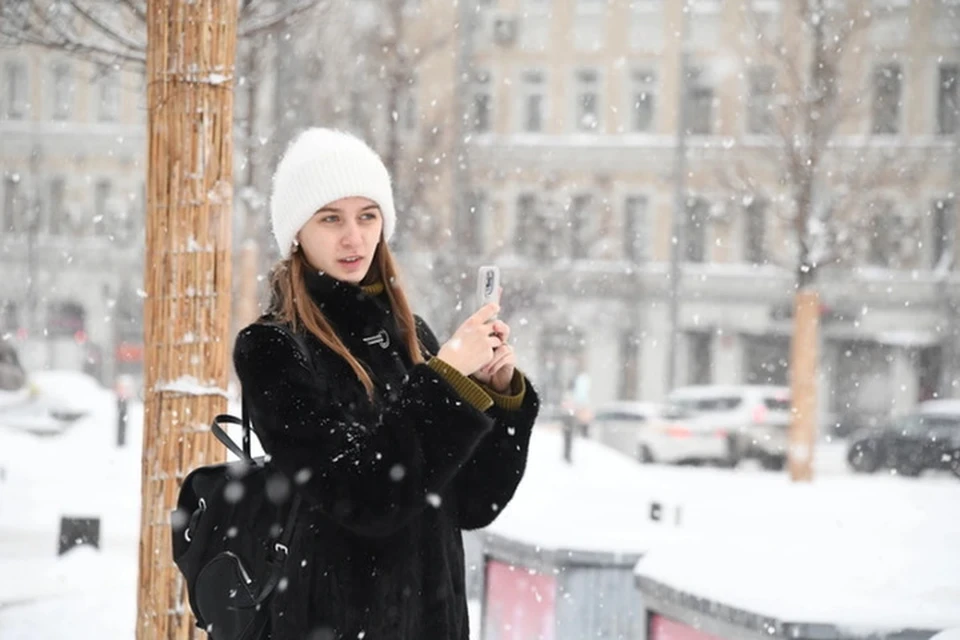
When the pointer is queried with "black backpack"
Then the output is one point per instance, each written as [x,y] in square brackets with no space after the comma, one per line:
[232,530]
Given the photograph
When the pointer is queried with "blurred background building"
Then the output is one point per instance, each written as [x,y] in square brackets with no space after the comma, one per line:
[71,241]
[543,135]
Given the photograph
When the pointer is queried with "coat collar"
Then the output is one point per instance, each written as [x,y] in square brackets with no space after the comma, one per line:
[354,311]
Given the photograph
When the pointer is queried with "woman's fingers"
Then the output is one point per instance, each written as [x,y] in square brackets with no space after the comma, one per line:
[502,356]
[502,329]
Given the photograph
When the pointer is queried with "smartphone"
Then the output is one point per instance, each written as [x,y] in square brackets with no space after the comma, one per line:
[488,285]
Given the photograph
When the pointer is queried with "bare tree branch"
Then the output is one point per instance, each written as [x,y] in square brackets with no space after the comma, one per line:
[255,25]
[138,9]
[105,29]
[31,23]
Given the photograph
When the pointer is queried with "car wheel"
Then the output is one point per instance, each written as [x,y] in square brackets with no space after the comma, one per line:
[644,454]
[734,453]
[772,462]
[955,463]
[863,457]
[909,465]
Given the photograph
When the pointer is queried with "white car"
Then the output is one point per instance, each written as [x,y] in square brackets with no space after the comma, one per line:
[658,433]
[949,408]
[755,418]
[52,402]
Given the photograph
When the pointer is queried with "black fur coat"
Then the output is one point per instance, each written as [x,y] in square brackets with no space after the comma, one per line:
[388,484]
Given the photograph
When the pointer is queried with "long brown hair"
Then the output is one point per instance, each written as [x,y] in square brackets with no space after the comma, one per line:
[291,303]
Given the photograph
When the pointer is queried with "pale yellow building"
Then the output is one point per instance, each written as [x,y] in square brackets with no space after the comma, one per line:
[72,146]
[575,116]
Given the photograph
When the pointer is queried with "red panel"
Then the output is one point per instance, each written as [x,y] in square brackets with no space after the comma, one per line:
[666,629]
[519,604]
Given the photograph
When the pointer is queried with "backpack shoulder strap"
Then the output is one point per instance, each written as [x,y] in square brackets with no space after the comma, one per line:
[243,451]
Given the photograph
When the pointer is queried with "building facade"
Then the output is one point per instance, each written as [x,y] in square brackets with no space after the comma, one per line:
[563,173]
[575,109]
[72,211]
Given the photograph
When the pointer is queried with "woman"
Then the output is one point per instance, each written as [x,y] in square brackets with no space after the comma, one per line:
[395,442]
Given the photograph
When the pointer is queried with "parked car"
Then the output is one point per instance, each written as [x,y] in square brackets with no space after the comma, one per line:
[14,389]
[658,433]
[840,426]
[910,444]
[51,401]
[755,418]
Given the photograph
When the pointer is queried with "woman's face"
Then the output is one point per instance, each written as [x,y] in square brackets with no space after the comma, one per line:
[341,238]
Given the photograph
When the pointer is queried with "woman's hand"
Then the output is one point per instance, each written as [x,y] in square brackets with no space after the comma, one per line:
[472,345]
[498,374]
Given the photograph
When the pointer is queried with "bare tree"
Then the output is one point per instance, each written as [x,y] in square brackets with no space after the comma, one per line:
[820,167]
[191,59]
[115,33]
[361,68]
[823,173]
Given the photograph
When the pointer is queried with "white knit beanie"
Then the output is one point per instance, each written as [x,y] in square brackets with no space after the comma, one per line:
[319,167]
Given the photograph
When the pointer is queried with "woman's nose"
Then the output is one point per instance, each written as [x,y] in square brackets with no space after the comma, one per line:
[351,234]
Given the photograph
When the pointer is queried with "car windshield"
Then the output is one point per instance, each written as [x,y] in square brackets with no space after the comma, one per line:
[915,423]
[620,416]
[701,405]
[777,404]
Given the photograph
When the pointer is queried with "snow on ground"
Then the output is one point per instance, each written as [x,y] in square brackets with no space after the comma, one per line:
[856,551]
[86,593]
[850,538]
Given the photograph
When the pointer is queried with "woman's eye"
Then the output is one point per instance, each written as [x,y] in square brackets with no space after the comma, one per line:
[328,219]
[369,216]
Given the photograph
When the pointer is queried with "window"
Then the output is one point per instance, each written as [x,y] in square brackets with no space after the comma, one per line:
[635,228]
[65,319]
[948,99]
[533,101]
[880,240]
[480,117]
[580,240]
[887,87]
[698,103]
[766,360]
[15,87]
[629,365]
[58,213]
[587,108]
[102,219]
[62,93]
[766,17]
[108,92]
[755,231]
[133,215]
[535,25]
[9,317]
[890,24]
[946,14]
[356,101]
[700,360]
[646,25]
[695,233]
[473,222]
[943,231]
[588,25]
[643,99]
[760,101]
[407,115]
[526,222]
[706,21]
[12,205]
